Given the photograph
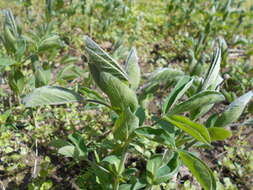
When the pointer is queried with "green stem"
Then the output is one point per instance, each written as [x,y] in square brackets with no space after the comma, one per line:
[116,184]
[149,187]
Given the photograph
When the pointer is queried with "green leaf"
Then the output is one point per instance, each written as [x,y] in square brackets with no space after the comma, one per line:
[42,76]
[140,113]
[219,134]
[199,100]
[158,135]
[16,81]
[113,163]
[100,61]
[51,95]
[68,151]
[6,61]
[133,69]
[213,73]
[161,77]
[78,141]
[125,125]
[120,95]
[49,42]
[70,72]
[196,130]
[234,110]
[162,167]
[199,169]
[182,86]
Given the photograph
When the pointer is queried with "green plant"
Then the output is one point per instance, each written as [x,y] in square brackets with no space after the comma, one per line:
[25,51]
[108,158]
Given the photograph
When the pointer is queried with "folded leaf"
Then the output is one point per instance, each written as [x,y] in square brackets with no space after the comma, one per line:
[182,86]
[102,62]
[133,69]
[213,72]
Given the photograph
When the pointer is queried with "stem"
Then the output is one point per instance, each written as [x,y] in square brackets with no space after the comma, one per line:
[99,102]
[149,187]
[189,145]
[116,184]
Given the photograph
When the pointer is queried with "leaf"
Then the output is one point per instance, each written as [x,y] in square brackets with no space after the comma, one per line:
[158,135]
[68,151]
[120,95]
[125,125]
[196,130]
[199,100]
[69,72]
[199,169]
[100,61]
[16,81]
[213,72]
[50,42]
[78,141]
[6,61]
[133,69]
[234,110]
[249,122]
[182,86]
[42,76]
[113,163]
[164,76]
[51,95]
[140,113]
[219,134]
[162,167]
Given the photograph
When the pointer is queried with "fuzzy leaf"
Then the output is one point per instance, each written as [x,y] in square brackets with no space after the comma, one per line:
[120,95]
[213,72]
[133,69]
[182,86]
[234,110]
[164,76]
[125,125]
[102,62]
[51,95]
[199,100]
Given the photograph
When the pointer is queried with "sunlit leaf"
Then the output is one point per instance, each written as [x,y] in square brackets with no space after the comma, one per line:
[194,129]
[182,86]
[133,69]
[219,134]
[102,62]
[51,95]
[234,110]
[198,100]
